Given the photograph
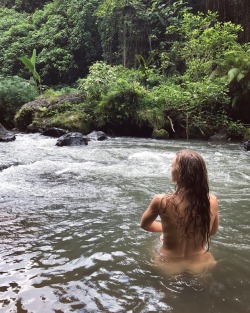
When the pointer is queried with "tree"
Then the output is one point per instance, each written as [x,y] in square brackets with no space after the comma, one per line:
[64,34]
[84,36]
[14,31]
[24,5]
[123,28]
[235,11]
[202,41]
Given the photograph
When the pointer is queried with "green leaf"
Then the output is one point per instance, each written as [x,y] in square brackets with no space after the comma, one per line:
[37,76]
[33,57]
[235,100]
[233,73]
[150,58]
[231,54]
[28,64]
[141,60]
[240,76]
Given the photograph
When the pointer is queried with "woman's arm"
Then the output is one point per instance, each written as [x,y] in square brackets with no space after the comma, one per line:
[148,219]
[215,226]
[214,212]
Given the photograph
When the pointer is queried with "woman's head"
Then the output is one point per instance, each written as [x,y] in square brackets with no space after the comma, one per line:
[189,171]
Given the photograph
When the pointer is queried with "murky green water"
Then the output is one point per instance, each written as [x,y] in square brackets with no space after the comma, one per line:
[69,228]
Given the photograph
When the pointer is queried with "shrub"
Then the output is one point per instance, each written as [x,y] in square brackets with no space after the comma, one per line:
[190,106]
[160,134]
[119,109]
[14,92]
[247,134]
[73,121]
[235,130]
[103,77]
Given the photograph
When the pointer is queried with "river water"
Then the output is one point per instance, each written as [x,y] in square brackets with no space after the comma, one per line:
[70,239]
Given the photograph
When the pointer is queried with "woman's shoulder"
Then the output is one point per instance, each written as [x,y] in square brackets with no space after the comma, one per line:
[160,197]
[213,203]
[213,198]
[161,201]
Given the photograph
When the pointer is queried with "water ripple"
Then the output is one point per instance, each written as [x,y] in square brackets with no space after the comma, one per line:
[69,228]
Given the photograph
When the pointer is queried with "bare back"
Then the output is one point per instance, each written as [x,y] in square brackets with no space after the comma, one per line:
[175,242]
[179,253]
[188,216]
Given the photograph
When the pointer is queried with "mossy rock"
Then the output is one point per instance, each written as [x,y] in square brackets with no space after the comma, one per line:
[65,111]
[73,121]
[28,113]
[247,134]
[160,134]
[24,117]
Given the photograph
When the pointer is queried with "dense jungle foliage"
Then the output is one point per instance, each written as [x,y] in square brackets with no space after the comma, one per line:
[167,68]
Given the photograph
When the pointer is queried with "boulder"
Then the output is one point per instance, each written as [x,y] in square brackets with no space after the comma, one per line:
[160,134]
[97,135]
[247,134]
[221,136]
[72,139]
[246,145]
[32,115]
[7,164]
[55,132]
[33,129]
[5,135]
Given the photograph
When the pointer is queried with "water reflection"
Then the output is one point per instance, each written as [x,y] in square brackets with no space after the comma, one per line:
[70,237]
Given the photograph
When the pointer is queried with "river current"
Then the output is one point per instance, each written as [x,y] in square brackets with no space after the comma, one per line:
[70,239]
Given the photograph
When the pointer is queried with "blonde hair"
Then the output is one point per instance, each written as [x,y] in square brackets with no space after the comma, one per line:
[192,184]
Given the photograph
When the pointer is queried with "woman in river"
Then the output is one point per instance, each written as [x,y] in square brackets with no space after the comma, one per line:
[189,216]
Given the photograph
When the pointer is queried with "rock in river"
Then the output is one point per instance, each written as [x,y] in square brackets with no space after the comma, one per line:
[72,139]
[5,135]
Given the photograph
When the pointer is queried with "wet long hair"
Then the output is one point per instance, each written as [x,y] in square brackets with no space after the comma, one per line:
[190,174]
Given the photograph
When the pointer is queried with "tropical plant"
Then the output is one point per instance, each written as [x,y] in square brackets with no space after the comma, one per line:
[144,64]
[31,66]
[234,67]
[150,75]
